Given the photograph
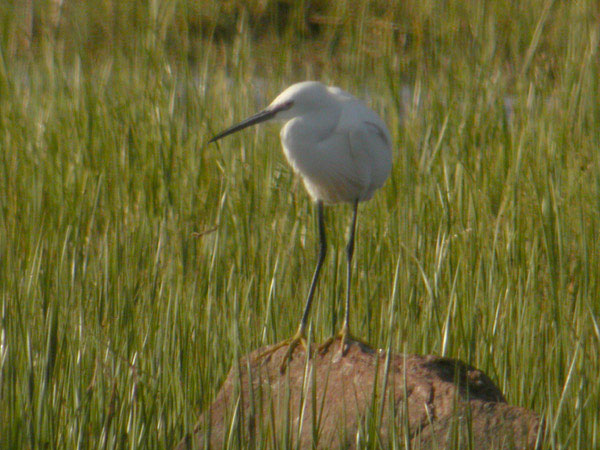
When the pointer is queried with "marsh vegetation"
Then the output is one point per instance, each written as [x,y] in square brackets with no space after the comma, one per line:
[137,264]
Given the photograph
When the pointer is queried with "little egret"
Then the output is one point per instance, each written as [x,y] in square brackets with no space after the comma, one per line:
[342,151]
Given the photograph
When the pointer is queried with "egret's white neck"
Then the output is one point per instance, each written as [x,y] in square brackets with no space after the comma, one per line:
[313,126]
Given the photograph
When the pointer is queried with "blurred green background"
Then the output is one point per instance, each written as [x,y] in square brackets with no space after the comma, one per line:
[137,263]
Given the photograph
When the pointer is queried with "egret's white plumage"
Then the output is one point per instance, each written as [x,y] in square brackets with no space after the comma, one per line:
[341,148]
[342,151]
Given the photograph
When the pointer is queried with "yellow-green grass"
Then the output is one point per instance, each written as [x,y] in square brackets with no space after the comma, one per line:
[137,263]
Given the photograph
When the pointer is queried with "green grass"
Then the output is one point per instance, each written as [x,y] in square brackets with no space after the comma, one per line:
[136,262]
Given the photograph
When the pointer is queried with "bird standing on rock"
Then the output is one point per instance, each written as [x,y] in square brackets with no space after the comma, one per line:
[342,151]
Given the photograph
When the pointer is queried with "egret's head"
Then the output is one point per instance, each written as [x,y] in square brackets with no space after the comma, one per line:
[298,99]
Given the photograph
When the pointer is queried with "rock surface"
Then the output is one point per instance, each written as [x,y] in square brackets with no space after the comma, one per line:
[365,397]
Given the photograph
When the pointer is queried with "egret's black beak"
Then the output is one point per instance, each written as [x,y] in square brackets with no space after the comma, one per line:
[253,120]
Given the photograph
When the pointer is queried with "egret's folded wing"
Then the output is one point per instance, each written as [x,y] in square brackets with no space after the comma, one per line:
[340,176]
[370,152]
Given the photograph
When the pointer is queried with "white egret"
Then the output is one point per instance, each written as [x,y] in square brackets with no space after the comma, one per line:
[342,151]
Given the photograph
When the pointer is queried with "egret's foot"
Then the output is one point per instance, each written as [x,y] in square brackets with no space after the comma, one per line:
[346,340]
[292,343]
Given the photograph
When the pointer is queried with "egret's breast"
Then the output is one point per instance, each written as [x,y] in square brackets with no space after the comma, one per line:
[329,170]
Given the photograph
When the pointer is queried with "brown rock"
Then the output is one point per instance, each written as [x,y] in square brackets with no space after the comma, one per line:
[360,399]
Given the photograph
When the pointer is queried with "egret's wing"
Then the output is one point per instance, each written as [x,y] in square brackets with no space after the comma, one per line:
[377,128]
[355,159]
[371,146]
[341,177]
[356,114]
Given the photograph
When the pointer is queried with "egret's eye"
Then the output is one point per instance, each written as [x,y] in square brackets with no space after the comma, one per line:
[287,105]
[280,107]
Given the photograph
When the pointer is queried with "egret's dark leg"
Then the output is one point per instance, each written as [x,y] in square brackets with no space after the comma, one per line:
[300,335]
[344,335]
[322,253]
[349,253]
